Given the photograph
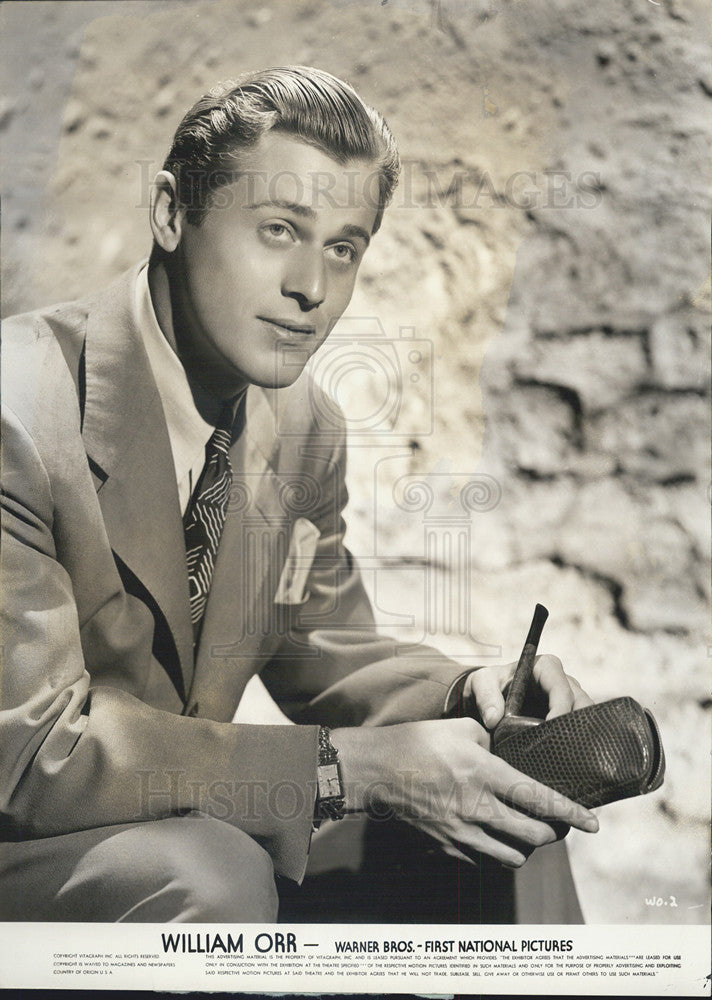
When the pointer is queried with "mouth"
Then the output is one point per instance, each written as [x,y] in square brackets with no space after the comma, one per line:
[288,327]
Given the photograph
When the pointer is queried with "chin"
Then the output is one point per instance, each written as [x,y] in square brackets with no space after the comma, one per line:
[278,380]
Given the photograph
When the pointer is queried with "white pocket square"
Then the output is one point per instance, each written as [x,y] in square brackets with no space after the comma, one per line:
[302,548]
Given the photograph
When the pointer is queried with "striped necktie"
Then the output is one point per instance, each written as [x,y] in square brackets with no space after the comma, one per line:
[205,514]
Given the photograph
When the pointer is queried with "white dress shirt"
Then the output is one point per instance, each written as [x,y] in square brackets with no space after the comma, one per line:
[189,433]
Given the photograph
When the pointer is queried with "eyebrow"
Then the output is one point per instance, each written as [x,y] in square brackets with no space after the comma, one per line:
[290,206]
[308,213]
[356,231]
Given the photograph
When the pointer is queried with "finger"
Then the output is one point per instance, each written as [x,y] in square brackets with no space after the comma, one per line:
[484,689]
[526,834]
[581,699]
[538,800]
[445,843]
[521,845]
[510,839]
[475,838]
[521,830]
[579,696]
[549,673]
[454,852]
[560,829]
[466,842]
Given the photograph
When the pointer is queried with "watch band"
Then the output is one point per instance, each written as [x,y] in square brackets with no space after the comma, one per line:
[330,792]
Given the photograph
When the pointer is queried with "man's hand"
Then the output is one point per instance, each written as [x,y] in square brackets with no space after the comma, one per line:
[440,776]
[483,689]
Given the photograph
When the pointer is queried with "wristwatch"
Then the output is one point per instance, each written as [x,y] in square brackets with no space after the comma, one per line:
[330,792]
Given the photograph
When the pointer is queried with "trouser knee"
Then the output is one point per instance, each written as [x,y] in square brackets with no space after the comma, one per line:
[190,868]
[236,884]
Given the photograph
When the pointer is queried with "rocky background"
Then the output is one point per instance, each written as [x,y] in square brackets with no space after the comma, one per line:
[525,367]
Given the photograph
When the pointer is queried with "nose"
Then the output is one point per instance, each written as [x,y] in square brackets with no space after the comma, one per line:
[305,278]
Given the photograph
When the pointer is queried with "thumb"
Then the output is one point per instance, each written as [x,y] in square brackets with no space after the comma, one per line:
[482,688]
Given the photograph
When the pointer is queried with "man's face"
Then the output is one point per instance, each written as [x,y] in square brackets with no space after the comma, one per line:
[272,266]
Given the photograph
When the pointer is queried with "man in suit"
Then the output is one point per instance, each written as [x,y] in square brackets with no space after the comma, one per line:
[173,490]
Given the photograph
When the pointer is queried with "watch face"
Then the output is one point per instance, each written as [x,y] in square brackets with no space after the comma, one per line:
[329,781]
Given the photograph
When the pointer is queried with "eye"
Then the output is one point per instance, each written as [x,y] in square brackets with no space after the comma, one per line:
[277,232]
[344,253]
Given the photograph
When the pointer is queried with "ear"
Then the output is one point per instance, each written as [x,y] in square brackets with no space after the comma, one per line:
[166,217]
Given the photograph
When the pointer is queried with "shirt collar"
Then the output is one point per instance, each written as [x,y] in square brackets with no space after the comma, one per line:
[188,431]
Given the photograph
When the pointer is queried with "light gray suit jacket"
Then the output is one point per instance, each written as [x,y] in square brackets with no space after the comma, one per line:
[107,715]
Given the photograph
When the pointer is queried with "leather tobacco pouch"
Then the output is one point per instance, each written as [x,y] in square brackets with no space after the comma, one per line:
[593,755]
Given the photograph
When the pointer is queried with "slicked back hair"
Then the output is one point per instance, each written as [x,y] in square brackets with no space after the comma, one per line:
[306,103]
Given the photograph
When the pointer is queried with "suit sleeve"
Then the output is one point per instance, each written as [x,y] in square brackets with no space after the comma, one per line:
[77,756]
[333,667]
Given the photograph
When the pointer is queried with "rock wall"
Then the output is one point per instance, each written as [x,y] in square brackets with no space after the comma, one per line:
[529,419]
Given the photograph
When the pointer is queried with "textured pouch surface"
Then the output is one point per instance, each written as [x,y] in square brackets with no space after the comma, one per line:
[594,755]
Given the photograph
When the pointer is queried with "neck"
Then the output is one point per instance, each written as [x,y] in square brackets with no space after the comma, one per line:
[159,287]
[165,280]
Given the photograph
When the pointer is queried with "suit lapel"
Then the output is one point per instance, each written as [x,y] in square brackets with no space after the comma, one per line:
[127,441]
[252,550]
